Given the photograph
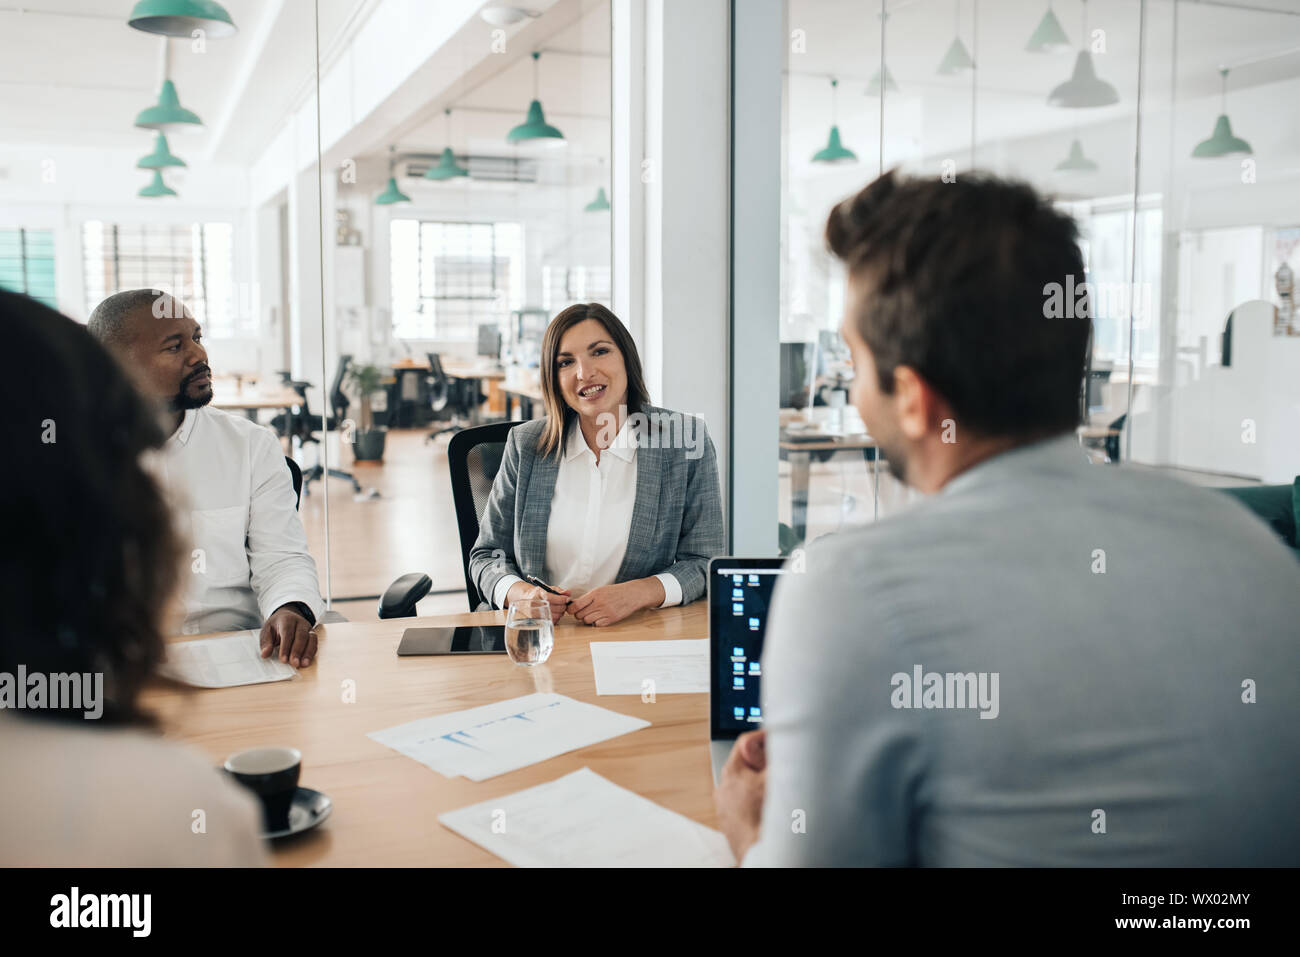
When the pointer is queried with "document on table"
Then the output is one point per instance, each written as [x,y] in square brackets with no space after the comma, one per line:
[585,820]
[661,667]
[223,662]
[480,743]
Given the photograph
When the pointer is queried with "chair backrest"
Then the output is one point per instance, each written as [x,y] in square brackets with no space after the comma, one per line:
[339,400]
[1112,440]
[296,473]
[475,458]
[436,372]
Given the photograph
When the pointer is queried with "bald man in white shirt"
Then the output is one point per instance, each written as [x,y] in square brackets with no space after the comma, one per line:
[252,569]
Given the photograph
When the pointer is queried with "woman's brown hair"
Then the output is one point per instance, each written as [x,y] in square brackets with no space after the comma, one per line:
[93,556]
[557,410]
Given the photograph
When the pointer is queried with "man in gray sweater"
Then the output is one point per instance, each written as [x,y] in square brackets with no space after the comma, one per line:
[1046,662]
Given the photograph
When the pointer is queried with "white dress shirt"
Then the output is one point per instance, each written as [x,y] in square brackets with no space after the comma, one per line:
[591,515]
[233,492]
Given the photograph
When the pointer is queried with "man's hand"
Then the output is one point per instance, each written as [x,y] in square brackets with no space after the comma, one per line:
[610,603]
[291,633]
[738,797]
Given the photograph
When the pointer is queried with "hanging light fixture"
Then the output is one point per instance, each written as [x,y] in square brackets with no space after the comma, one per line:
[168,116]
[1048,37]
[161,157]
[834,151]
[1076,162]
[391,193]
[535,127]
[601,202]
[874,84]
[1222,142]
[1084,89]
[180,18]
[157,188]
[447,167]
[958,58]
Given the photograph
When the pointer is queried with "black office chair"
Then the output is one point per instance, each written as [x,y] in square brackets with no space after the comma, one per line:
[444,399]
[1112,440]
[295,472]
[306,425]
[474,456]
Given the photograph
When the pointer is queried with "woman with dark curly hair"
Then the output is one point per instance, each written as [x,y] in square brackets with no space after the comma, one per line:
[90,563]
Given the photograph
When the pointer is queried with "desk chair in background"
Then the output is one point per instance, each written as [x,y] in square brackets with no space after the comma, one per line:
[305,426]
[453,400]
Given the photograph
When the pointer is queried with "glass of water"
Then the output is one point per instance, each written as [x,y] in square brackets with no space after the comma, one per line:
[530,635]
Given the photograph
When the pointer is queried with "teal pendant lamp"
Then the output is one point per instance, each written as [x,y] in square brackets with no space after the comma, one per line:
[180,18]
[447,167]
[535,126]
[157,188]
[1048,37]
[874,84]
[834,151]
[599,204]
[168,116]
[391,193]
[1084,89]
[161,157]
[1076,162]
[958,58]
[1222,142]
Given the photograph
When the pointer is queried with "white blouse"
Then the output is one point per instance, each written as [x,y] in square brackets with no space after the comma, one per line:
[591,516]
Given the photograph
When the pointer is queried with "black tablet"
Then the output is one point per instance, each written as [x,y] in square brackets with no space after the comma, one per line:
[464,640]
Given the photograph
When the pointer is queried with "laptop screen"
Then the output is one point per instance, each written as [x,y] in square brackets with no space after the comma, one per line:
[740,596]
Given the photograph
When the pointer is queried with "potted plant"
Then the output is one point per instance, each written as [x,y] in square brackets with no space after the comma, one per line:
[367,439]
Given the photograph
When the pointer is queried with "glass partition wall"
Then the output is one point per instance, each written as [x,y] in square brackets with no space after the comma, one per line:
[1158,125]
[464,168]
[371,209]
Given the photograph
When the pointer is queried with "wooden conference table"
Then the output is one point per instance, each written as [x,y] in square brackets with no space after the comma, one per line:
[386,805]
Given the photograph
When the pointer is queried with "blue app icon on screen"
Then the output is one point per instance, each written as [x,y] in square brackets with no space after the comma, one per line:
[738,608]
[737,593]
[738,712]
[753,624]
[738,651]
[754,668]
[753,579]
[737,578]
[738,682]
[738,667]
[754,713]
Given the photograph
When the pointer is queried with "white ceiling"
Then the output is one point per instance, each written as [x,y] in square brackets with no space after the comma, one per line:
[73,73]
[932,114]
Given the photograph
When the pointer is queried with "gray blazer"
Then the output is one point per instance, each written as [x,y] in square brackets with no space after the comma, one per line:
[676,520]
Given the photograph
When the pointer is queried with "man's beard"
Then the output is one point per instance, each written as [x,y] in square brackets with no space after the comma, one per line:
[183,400]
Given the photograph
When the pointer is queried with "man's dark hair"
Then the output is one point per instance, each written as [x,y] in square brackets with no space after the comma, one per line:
[91,556]
[108,322]
[953,280]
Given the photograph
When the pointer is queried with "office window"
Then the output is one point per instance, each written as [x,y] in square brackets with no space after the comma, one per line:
[450,278]
[563,286]
[27,263]
[193,261]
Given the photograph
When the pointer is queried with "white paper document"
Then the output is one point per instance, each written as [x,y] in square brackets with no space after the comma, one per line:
[585,820]
[659,667]
[224,662]
[480,743]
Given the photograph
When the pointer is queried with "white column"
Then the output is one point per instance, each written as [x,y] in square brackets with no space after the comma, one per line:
[759,36]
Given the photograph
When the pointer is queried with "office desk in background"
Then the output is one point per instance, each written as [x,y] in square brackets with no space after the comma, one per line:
[386,806]
[242,397]
[475,371]
[820,429]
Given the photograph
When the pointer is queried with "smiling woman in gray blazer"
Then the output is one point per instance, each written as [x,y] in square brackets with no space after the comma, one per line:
[610,500]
